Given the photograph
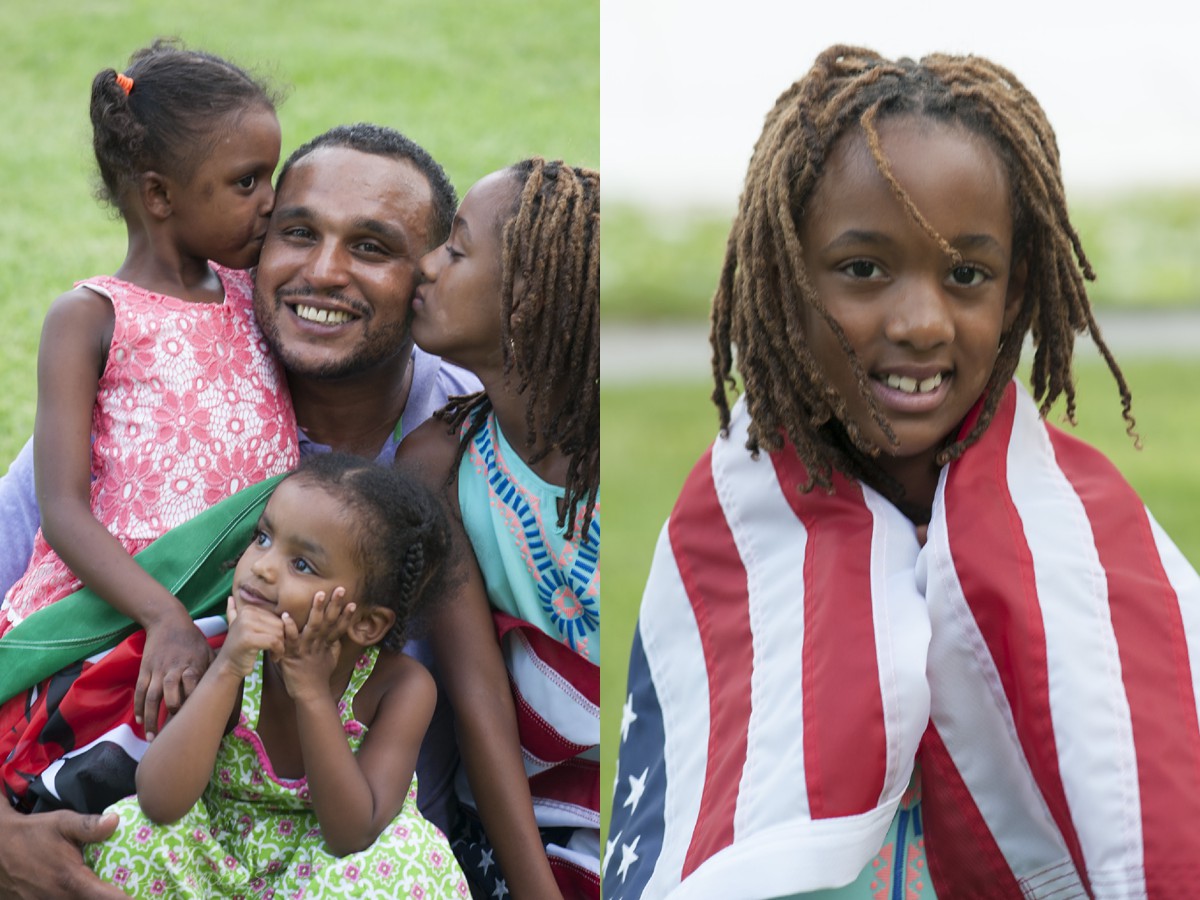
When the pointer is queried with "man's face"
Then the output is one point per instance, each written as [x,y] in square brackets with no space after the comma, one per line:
[339,264]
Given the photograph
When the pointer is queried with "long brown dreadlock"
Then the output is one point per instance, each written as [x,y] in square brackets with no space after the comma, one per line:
[550,325]
[763,281]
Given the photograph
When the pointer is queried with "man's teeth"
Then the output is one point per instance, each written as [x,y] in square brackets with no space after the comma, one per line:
[911,385]
[323,316]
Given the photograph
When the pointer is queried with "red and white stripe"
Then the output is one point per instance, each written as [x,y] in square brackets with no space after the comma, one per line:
[557,696]
[784,786]
[1065,752]
[1038,655]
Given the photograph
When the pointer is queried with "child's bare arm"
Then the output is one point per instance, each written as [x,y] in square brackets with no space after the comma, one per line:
[75,338]
[476,681]
[177,766]
[353,795]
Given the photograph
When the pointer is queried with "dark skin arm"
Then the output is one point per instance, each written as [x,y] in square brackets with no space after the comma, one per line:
[75,339]
[40,856]
[177,767]
[354,795]
[476,681]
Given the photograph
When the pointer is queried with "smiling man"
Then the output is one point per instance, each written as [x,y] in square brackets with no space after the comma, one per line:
[356,208]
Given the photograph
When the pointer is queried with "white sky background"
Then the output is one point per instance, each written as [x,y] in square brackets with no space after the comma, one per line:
[685,85]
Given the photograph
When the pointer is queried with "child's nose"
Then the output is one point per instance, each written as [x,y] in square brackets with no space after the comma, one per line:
[264,567]
[429,263]
[922,315]
[266,203]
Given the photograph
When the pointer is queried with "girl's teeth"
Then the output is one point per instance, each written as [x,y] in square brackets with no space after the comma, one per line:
[323,316]
[911,385]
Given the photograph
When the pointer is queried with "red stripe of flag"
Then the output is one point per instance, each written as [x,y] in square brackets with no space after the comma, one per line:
[715,581]
[538,736]
[977,868]
[1154,663]
[983,523]
[576,782]
[582,674]
[845,740]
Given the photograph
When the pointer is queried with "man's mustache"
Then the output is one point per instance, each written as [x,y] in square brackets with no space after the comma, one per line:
[291,295]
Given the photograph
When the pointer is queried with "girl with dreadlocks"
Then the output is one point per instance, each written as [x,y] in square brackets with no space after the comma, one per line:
[889,563]
[513,296]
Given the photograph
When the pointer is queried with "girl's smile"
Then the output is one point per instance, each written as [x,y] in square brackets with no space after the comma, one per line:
[925,326]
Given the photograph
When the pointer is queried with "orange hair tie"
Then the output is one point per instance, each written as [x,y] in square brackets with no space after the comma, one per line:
[125,82]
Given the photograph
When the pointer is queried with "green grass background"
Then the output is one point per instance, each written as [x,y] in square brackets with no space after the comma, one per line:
[479,83]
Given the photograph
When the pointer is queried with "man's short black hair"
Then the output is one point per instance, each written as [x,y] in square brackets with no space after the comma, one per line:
[379,140]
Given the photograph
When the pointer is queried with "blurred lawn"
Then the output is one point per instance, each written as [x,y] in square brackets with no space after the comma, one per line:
[479,84]
[1142,245]
[653,435]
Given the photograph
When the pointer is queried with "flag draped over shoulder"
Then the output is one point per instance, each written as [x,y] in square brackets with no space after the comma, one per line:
[67,673]
[556,693]
[797,652]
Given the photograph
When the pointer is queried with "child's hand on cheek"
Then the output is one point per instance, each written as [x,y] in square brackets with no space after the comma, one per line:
[311,655]
[251,630]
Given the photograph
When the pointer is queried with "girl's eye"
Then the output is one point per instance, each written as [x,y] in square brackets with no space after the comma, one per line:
[861,268]
[454,254]
[261,539]
[247,183]
[967,276]
[302,566]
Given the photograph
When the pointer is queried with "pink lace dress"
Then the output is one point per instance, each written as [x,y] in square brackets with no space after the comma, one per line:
[191,408]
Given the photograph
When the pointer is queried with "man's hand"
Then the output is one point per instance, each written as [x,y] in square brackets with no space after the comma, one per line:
[40,856]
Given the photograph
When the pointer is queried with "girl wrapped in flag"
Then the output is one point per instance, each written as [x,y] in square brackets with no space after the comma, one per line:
[901,636]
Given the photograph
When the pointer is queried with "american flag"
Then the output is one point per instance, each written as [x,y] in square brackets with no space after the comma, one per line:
[557,696]
[797,652]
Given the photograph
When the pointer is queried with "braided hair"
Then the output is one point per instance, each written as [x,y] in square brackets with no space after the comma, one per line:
[402,538]
[550,325]
[757,307]
[169,119]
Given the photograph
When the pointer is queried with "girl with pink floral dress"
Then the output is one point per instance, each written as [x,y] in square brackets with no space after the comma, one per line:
[156,393]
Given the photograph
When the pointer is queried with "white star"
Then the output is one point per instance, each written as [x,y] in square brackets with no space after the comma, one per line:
[486,861]
[501,888]
[637,786]
[610,846]
[628,717]
[628,857]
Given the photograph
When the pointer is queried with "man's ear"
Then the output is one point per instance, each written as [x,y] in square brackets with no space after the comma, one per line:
[371,624]
[1015,296]
[155,192]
